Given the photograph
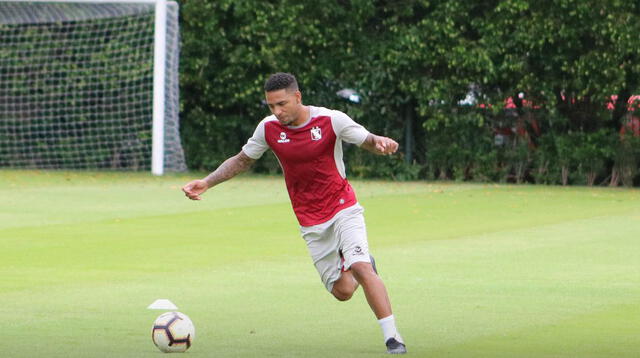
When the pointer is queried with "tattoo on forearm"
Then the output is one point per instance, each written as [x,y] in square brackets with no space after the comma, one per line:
[230,168]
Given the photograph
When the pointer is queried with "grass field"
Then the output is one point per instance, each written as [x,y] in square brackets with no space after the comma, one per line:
[473,270]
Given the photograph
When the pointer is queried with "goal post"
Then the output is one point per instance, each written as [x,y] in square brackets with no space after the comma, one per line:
[90,84]
[159,60]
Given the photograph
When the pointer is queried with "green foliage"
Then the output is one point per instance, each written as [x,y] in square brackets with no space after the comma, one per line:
[461,149]
[413,62]
[517,157]
[592,151]
[545,170]
[564,144]
[627,159]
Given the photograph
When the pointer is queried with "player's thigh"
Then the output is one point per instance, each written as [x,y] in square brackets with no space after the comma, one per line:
[351,232]
[323,249]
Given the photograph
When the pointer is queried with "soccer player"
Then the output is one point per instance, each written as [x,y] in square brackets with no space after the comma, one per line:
[307,141]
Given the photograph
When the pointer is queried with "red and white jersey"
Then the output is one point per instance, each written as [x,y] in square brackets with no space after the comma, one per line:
[311,158]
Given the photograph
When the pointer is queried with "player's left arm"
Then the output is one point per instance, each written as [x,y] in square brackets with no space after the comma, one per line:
[379,145]
[351,132]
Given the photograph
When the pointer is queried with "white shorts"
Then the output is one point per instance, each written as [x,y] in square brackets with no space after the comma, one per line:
[346,233]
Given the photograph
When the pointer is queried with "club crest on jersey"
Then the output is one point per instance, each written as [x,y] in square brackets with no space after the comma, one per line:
[283,138]
[316,133]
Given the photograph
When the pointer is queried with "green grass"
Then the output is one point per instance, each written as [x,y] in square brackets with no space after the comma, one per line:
[473,270]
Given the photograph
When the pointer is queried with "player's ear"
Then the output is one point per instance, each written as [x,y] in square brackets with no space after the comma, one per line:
[298,97]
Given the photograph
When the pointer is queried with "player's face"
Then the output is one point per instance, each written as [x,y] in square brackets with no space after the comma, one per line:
[285,105]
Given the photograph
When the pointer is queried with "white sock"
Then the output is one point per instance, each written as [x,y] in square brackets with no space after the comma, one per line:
[388,325]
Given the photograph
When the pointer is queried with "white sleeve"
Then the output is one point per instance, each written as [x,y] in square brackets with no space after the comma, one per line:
[347,129]
[256,145]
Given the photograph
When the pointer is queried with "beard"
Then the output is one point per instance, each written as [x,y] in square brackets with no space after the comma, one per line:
[286,120]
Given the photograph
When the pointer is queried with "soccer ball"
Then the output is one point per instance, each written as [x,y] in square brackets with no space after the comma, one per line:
[173,332]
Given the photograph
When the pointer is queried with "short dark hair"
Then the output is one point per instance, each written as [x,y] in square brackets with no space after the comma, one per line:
[281,80]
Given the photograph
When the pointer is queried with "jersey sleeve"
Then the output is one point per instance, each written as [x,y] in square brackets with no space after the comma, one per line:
[347,129]
[256,145]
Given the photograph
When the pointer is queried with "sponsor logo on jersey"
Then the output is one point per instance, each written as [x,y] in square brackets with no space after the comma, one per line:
[283,138]
[316,133]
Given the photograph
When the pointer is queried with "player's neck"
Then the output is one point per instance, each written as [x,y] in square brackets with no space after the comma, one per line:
[303,116]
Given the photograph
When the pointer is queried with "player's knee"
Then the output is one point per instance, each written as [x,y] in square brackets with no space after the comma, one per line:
[341,295]
[362,270]
[342,292]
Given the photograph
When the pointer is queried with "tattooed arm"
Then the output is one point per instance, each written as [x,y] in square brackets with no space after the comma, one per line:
[227,170]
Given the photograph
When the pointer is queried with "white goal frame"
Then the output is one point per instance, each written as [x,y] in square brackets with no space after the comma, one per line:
[159,69]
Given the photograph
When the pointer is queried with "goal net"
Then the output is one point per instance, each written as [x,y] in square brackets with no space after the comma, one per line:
[77,86]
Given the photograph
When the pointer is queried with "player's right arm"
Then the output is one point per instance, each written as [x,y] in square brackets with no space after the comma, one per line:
[252,151]
[227,170]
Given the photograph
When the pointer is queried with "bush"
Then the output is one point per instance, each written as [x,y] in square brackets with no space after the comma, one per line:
[627,157]
[461,149]
[591,152]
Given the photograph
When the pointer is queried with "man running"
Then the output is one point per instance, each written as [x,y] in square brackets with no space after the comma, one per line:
[307,141]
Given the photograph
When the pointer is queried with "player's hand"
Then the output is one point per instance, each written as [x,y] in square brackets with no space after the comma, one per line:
[385,145]
[195,188]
